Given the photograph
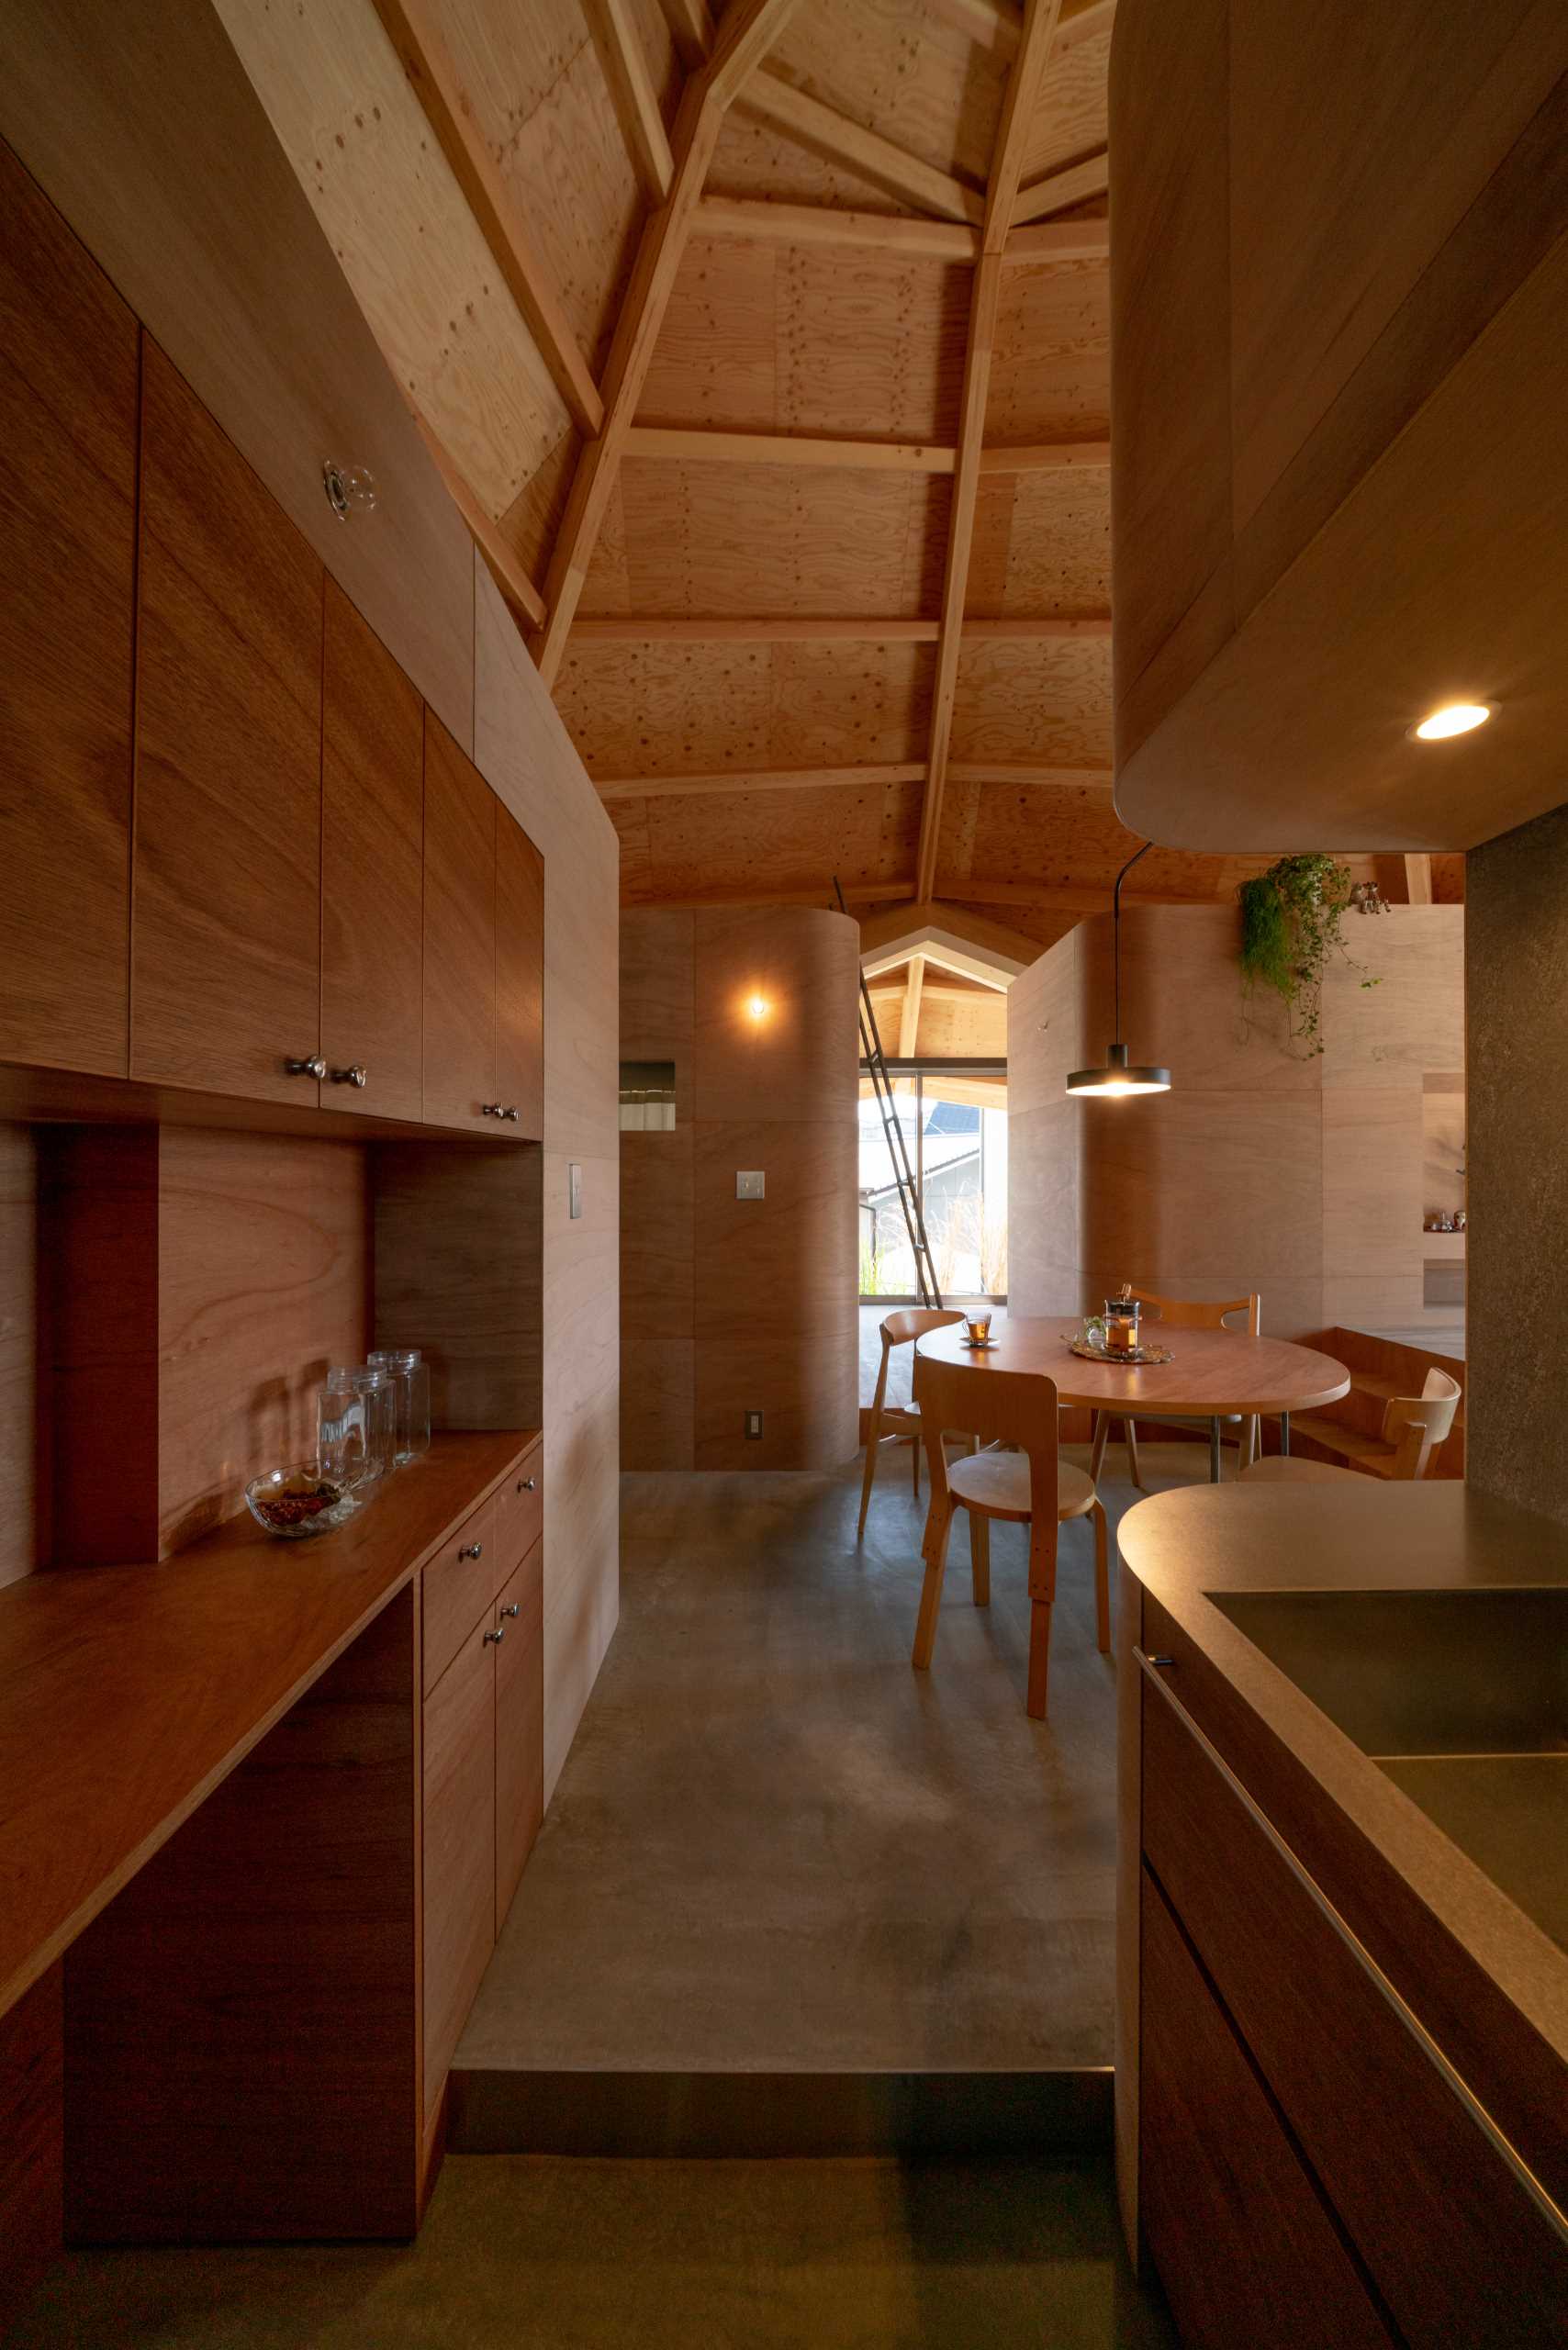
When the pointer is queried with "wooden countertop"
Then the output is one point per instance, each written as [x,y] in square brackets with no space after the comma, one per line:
[1370,1537]
[128,1692]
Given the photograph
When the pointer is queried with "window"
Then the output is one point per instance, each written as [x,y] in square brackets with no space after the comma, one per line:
[955,1133]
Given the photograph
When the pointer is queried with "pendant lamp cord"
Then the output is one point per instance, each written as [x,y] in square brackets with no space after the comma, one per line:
[1116,929]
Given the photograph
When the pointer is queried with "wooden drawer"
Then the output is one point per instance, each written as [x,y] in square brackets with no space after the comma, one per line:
[459,1588]
[1455,2242]
[521,1512]
[1245,2247]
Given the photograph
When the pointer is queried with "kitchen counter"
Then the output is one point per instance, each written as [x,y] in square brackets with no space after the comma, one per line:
[127,1694]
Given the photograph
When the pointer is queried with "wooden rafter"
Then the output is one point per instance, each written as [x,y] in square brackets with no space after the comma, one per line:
[909,1014]
[821,224]
[411,28]
[1076,184]
[1024,84]
[1014,772]
[699,446]
[632,93]
[665,787]
[1053,240]
[855,893]
[505,566]
[692,27]
[827,132]
[749,30]
[1056,899]
[664,628]
[1042,456]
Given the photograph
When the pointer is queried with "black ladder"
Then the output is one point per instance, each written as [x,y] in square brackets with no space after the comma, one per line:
[871,1053]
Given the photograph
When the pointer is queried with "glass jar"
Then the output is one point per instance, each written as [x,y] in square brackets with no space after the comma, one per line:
[378,1392]
[341,1435]
[1122,1325]
[411,1384]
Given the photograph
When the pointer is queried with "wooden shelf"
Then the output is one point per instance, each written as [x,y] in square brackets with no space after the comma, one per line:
[128,1693]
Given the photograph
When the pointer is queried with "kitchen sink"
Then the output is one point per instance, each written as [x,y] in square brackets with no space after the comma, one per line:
[1460,1697]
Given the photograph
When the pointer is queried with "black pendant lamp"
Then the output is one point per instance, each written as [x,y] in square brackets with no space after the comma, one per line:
[1119,1074]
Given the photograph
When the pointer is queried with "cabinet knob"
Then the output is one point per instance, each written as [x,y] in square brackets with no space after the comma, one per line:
[315,1066]
[472,1550]
[511,1111]
[491,1110]
[526,1484]
[355,1074]
[515,1610]
[495,1636]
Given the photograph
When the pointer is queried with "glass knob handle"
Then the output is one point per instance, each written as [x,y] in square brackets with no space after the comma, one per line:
[355,1074]
[472,1550]
[515,1610]
[526,1484]
[315,1066]
[495,1636]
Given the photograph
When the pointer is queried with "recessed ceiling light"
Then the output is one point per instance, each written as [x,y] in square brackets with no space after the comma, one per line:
[1454,718]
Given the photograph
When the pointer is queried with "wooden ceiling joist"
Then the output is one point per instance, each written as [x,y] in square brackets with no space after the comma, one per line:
[632,93]
[692,28]
[829,133]
[1076,184]
[1024,84]
[1051,899]
[855,893]
[664,628]
[750,29]
[821,224]
[702,447]
[1063,240]
[411,28]
[665,787]
[1011,772]
[1042,456]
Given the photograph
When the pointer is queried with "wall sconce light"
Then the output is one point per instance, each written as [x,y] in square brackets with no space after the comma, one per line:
[1119,1074]
[350,488]
[757,1008]
[1454,718]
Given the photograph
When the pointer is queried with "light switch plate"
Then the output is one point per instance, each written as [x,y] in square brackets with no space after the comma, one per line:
[750,1183]
[574,1187]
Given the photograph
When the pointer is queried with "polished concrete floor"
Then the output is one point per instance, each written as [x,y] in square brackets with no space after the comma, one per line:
[775,1847]
[524,2255]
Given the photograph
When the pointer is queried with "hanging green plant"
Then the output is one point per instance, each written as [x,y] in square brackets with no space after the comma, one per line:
[1290,927]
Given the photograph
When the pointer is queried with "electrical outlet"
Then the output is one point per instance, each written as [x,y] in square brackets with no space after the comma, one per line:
[753,1426]
[750,1184]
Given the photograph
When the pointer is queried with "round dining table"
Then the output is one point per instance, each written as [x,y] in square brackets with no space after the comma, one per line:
[1213,1375]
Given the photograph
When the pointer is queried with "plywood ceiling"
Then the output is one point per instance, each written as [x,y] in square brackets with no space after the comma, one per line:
[766,352]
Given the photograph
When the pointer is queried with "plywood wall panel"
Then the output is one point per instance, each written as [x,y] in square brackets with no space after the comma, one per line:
[715,362]
[385,193]
[870,345]
[800,1062]
[796,839]
[1050,376]
[752,160]
[530,523]
[1057,559]
[24,1530]
[1070,115]
[1047,702]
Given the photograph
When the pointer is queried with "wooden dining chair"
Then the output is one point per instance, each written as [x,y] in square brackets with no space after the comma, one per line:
[1414,1427]
[1184,1314]
[1032,1486]
[901,1421]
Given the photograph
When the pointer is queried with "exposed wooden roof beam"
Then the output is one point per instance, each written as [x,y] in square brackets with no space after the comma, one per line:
[1051,899]
[827,132]
[692,27]
[411,28]
[1006,163]
[506,568]
[1063,240]
[665,628]
[909,1014]
[1011,772]
[1042,456]
[995,24]
[749,30]
[632,91]
[665,787]
[821,224]
[855,893]
[1076,184]
[699,446]
[990,937]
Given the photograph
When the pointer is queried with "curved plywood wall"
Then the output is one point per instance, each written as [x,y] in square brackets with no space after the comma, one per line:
[1300,1179]
[729,1304]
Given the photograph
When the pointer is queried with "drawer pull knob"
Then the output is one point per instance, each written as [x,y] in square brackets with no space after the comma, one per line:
[526,1484]
[472,1550]
[355,1075]
[315,1066]
[497,1637]
[491,1110]
[513,1610]
[511,1111]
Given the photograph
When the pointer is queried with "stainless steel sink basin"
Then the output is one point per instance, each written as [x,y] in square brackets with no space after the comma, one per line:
[1461,1697]
[1421,1672]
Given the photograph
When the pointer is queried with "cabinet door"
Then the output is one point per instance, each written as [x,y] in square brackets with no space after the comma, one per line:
[228,871]
[68,371]
[520,976]
[372,871]
[459,1845]
[460,935]
[519,1724]
[1240,2232]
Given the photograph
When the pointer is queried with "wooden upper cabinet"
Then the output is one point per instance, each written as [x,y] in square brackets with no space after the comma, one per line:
[228,871]
[68,388]
[520,976]
[460,936]
[372,872]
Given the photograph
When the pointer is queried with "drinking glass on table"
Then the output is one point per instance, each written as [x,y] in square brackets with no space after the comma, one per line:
[976,1325]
